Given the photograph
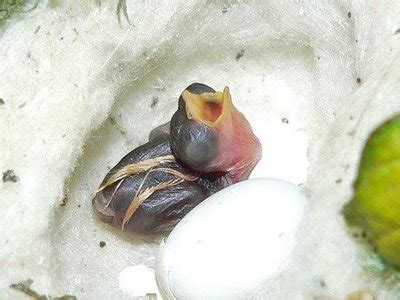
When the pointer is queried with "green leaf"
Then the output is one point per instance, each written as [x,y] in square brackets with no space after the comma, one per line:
[9,7]
[375,206]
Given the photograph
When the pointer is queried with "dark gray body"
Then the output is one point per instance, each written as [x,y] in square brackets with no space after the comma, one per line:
[158,214]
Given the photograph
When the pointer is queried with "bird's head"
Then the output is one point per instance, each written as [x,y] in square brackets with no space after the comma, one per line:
[210,135]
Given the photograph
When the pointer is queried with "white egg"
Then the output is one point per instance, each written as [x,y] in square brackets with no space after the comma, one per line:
[232,242]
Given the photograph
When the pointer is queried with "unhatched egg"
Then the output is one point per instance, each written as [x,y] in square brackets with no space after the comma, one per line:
[232,242]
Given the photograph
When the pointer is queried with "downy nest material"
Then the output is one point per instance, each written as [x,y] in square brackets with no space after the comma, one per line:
[79,91]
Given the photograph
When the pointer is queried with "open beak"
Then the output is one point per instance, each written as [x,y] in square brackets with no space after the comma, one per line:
[208,108]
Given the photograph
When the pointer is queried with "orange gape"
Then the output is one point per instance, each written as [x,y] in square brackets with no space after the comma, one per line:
[207,146]
[212,111]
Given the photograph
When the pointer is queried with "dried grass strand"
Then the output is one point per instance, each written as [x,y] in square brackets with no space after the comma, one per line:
[131,210]
[178,174]
[148,166]
[115,191]
[140,198]
[138,167]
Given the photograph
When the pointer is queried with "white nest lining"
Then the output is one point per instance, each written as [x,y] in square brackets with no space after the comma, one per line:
[68,67]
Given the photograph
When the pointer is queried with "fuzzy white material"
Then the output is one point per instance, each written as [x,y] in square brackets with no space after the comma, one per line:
[138,281]
[80,91]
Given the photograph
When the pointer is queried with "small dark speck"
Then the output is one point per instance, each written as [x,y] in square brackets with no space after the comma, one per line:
[318,57]
[225,8]
[285,120]
[356,235]
[356,41]
[79,205]
[117,126]
[240,54]
[64,135]
[22,105]
[364,234]
[64,201]
[322,283]
[9,175]
[154,102]
[37,29]
[339,180]
[397,31]
[349,14]
[351,118]
[1,101]
[102,244]
[358,80]
[61,38]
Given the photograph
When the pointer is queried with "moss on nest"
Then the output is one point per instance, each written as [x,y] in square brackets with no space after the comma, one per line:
[9,7]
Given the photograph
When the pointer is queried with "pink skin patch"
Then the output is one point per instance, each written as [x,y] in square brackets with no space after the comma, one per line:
[240,149]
